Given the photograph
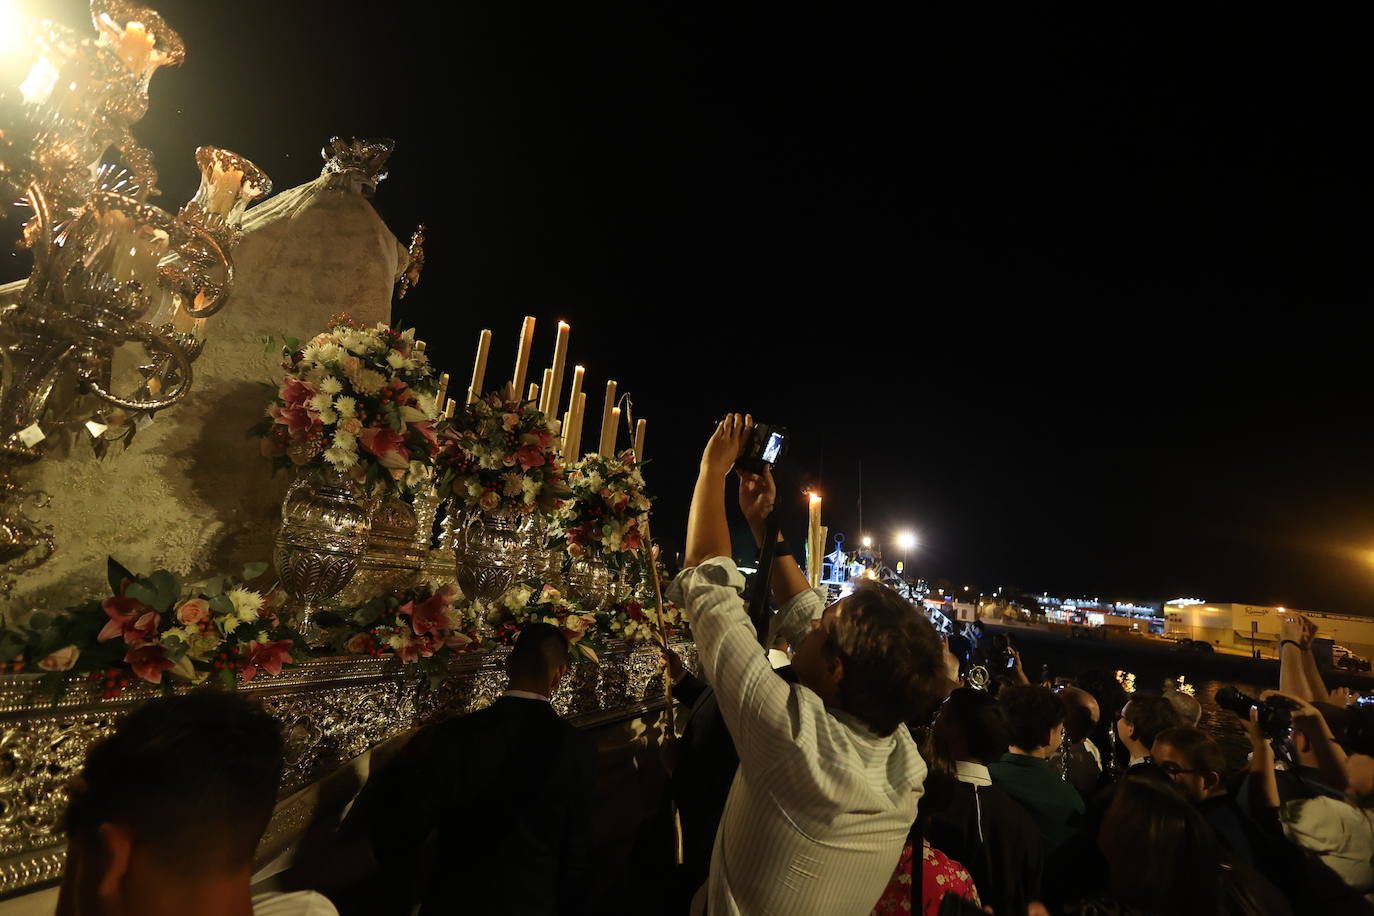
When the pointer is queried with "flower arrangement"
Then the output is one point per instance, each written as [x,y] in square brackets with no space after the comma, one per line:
[608,512]
[532,600]
[418,625]
[360,400]
[635,620]
[152,625]
[498,456]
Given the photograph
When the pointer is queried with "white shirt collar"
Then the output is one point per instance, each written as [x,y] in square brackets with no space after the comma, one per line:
[1137,760]
[526,695]
[971,772]
[778,658]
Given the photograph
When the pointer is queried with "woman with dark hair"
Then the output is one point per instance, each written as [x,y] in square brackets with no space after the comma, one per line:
[1163,859]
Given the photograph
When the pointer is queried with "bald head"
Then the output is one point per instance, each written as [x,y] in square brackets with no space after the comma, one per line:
[1080,712]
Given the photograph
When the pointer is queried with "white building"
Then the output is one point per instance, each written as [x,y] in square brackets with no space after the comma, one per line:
[1233,625]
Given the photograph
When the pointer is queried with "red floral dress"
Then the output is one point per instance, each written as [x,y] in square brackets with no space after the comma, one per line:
[939,875]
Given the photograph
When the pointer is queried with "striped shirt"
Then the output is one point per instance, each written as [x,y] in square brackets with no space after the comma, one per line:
[820,806]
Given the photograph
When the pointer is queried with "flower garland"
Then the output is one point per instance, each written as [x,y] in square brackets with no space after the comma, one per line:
[530,601]
[498,456]
[418,625]
[608,512]
[152,625]
[356,399]
[634,619]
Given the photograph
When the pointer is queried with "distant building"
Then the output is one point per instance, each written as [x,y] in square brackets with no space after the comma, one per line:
[1232,626]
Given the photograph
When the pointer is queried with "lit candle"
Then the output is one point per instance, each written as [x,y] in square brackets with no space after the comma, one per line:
[560,364]
[813,559]
[607,424]
[419,346]
[639,441]
[545,389]
[522,356]
[479,369]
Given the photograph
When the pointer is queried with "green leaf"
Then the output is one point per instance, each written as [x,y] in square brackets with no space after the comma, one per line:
[252,570]
[117,574]
[144,592]
[220,604]
[291,343]
[167,588]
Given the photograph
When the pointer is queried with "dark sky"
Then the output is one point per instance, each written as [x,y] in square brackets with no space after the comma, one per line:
[1079,288]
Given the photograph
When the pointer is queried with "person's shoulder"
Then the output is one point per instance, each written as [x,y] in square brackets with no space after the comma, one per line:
[297,903]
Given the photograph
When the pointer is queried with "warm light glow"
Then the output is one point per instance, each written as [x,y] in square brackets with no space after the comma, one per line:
[13,24]
[815,497]
[906,540]
[868,541]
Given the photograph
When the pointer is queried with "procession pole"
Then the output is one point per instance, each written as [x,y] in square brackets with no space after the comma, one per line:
[667,680]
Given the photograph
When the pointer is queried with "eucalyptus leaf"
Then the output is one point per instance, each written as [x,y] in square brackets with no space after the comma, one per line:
[117,575]
[144,592]
[166,586]
[220,604]
[252,570]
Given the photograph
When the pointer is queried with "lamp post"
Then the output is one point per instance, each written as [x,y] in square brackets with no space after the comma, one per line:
[906,540]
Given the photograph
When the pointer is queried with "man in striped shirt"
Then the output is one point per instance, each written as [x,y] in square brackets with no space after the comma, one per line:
[829,778]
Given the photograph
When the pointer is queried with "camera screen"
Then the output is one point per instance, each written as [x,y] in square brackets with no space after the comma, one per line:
[773,448]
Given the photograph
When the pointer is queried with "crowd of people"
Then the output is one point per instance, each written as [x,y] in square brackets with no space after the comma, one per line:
[837,761]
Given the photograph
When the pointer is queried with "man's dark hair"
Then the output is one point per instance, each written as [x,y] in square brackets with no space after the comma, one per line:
[194,777]
[893,658]
[1150,715]
[1080,716]
[1197,749]
[980,720]
[541,649]
[1031,712]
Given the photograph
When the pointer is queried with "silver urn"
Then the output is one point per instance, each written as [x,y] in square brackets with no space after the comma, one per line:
[491,552]
[392,560]
[591,583]
[325,522]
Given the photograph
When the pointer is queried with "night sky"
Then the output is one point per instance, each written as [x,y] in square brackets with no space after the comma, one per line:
[1078,291]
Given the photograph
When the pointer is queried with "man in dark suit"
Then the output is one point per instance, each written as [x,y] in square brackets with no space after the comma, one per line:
[506,791]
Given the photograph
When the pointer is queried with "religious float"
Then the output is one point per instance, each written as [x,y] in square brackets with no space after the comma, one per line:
[147,545]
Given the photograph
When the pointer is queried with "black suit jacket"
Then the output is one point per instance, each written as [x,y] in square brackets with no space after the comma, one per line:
[506,790]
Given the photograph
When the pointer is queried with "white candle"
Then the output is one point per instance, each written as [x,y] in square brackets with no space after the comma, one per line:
[449,408]
[572,442]
[419,346]
[813,565]
[609,437]
[522,357]
[607,424]
[479,369]
[533,394]
[559,368]
[443,390]
[545,389]
[639,441]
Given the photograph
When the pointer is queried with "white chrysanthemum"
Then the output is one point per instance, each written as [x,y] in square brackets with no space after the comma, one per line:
[229,624]
[368,382]
[395,642]
[345,440]
[331,385]
[246,602]
[489,461]
[331,353]
[329,416]
[416,474]
[594,480]
[345,406]
[529,487]
[341,459]
[262,636]
[395,360]
[515,598]
[322,402]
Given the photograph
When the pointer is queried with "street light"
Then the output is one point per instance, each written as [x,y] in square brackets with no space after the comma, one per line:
[906,540]
[868,541]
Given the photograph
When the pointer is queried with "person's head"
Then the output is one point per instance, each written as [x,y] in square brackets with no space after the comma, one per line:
[1358,741]
[872,655]
[1080,712]
[174,802]
[1035,719]
[1141,721]
[1188,708]
[970,725]
[1108,692]
[539,659]
[1192,760]
[1161,855]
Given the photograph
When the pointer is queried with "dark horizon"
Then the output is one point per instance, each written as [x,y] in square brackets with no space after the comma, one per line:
[1078,293]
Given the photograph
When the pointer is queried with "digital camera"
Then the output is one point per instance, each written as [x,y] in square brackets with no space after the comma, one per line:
[765,447]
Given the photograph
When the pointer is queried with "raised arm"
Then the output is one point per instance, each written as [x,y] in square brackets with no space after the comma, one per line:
[708,534]
[757,494]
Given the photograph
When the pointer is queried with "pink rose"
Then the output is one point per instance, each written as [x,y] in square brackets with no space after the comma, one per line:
[489,500]
[351,365]
[529,456]
[388,445]
[363,643]
[193,610]
[576,550]
[148,662]
[353,426]
[269,656]
[510,420]
[130,618]
[61,660]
